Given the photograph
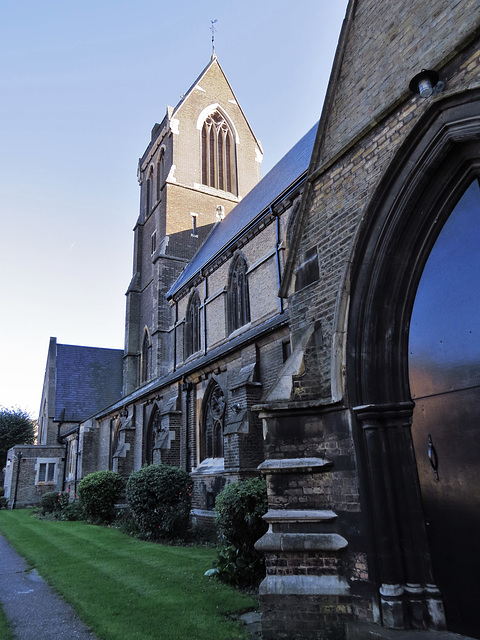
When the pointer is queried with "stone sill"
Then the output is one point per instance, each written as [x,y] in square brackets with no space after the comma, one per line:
[297,515]
[301,542]
[295,465]
[304,586]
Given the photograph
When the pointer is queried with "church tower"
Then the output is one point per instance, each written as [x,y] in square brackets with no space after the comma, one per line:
[202,159]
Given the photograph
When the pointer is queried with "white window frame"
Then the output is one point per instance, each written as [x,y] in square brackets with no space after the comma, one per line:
[47,462]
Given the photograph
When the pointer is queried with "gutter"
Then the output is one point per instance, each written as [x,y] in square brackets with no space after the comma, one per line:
[184,371]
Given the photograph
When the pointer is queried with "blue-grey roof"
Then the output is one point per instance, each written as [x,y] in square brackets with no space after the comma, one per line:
[277,181]
[87,379]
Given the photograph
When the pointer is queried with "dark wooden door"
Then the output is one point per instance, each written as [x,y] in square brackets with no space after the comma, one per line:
[444,366]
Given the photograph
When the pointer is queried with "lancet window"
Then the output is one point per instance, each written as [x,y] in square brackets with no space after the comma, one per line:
[192,325]
[145,358]
[160,172]
[238,301]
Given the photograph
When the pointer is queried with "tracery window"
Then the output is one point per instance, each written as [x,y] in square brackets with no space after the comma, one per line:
[218,154]
[211,445]
[145,358]
[238,302]
[192,325]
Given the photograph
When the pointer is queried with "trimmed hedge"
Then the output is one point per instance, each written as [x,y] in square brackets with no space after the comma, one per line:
[98,493]
[238,514]
[159,497]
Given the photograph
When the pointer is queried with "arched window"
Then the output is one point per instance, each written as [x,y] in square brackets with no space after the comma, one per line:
[211,445]
[145,358]
[218,154]
[114,438]
[160,172]
[151,436]
[192,325]
[148,198]
[238,303]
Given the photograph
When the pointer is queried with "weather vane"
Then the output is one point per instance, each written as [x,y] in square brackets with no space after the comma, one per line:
[213,36]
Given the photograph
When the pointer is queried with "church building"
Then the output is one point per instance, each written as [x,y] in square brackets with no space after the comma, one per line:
[206,331]
[320,326]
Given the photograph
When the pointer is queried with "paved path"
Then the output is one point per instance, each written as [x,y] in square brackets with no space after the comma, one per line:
[32,608]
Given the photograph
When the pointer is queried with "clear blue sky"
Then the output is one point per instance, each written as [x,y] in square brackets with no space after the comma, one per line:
[82,84]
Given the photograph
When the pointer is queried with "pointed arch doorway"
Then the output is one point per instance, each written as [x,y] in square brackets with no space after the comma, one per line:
[444,372]
[431,181]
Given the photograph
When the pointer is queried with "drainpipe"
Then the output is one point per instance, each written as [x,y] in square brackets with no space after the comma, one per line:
[205,317]
[76,462]
[187,387]
[60,441]
[19,457]
[175,338]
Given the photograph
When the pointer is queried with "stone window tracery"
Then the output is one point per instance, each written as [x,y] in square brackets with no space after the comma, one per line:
[213,423]
[218,154]
[150,441]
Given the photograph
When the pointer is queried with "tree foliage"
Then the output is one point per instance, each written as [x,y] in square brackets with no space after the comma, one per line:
[16,427]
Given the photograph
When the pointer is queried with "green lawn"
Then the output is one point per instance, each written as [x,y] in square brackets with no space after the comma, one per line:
[126,589]
[5,632]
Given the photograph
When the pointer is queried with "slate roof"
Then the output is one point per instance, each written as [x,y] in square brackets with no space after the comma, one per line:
[276,183]
[87,380]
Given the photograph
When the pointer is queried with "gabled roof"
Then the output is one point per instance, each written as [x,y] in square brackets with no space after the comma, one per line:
[256,203]
[214,60]
[87,379]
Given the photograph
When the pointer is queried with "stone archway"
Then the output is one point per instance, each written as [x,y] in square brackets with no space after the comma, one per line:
[415,198]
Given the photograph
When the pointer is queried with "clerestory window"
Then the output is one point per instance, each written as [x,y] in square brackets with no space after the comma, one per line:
[238,302]
[192,325]
[218,154]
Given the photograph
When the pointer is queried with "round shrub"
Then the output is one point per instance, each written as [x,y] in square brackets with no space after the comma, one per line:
[238,514]
[159,497]
[49,502]
[98,493]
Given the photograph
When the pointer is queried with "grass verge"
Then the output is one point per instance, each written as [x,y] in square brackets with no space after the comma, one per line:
[127,589]
[5,631]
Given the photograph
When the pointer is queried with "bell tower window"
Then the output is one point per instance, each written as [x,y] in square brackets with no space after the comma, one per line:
[160,172]
[145,358]
[218,154]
